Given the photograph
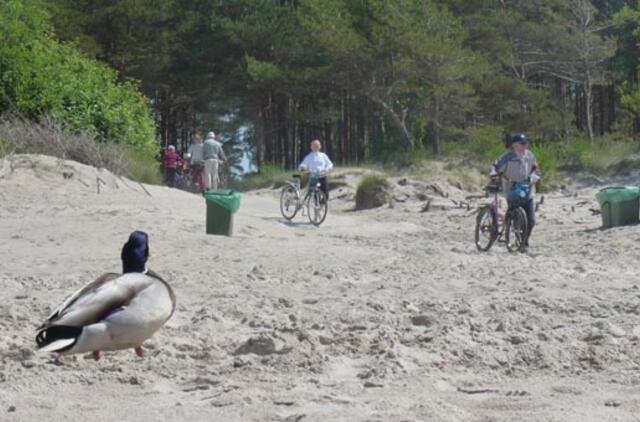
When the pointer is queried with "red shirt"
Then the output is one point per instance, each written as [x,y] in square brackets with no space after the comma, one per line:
[171,159]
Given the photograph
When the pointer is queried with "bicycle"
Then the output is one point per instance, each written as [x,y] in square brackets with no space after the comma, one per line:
[315,201]
[190,177]
[491,225]
[196,177]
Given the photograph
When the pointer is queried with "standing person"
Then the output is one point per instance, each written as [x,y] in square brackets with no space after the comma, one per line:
[196,153]
[519,171]
[318,162]
[213,155]
[171,159]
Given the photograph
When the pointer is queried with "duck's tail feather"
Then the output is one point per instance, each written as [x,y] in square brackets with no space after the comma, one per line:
[57,338]
[43,326]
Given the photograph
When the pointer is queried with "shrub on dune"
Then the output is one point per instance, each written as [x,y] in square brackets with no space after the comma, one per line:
[372,192]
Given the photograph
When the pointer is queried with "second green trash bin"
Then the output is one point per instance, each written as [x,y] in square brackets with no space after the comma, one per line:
[221,205]
[619,206]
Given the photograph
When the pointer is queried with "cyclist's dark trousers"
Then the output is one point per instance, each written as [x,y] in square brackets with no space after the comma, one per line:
[530,208]
[171,177]
[323,186]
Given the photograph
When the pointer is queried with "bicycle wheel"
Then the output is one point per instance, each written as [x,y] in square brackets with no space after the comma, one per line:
[185,182]
[516,229]
[178,182]
[317,205]
[289,199]
[486,229]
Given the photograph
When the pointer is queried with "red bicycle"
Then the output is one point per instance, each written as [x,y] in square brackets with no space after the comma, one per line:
[197,177]
[491,225]
[190,177]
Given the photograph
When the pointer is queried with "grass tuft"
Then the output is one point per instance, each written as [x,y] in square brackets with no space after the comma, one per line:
[371,191]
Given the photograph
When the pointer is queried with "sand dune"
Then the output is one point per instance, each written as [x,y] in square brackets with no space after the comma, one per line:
[382,315]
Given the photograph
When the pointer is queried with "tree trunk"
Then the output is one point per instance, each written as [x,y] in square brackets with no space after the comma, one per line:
[436,127]
[328,139]
[259,134]
[588,109]
[397,120]
[343,129]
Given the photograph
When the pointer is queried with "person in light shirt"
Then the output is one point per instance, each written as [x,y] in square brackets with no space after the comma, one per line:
[213,155]
[196,160]
[317,162]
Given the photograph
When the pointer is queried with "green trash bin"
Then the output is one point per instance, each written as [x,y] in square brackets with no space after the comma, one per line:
[619,206]
[221,205]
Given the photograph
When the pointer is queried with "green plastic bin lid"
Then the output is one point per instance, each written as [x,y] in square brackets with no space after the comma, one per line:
[226,198]
[618,194]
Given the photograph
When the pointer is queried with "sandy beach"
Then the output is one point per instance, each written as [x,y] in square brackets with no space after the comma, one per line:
[383,315]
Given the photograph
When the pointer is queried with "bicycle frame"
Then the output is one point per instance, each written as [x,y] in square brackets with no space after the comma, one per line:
[498,226]
[314,185]
[495,210]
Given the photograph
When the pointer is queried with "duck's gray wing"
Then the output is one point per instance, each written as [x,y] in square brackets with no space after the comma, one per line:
[93,309]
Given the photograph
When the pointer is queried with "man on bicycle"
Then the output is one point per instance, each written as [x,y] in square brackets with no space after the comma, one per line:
[318,162]
[520,172]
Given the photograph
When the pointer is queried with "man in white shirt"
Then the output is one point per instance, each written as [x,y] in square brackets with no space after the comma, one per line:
[318,163]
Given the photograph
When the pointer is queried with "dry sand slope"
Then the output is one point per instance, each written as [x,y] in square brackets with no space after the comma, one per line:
[381,315]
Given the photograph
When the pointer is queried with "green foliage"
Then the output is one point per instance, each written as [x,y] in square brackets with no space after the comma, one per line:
[40,76]
[519,107]
[599,156]
[386,152]
[478,148]
[269,176]
[141,167]
[549,156]
[371,76]
[630,97]
[481,145]
[402,56]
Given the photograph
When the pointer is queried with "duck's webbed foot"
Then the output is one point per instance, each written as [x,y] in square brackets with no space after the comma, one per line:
[139,351]
[96,355]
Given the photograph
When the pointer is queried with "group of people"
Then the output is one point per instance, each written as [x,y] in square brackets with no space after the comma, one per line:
[517,167]
[203,158]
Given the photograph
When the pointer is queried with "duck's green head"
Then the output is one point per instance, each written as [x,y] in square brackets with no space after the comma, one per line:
[135,253]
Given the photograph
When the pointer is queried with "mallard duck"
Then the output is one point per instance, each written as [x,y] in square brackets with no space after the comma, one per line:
[114,312]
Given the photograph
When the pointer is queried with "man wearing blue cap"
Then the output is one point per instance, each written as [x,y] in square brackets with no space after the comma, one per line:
[519,167]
